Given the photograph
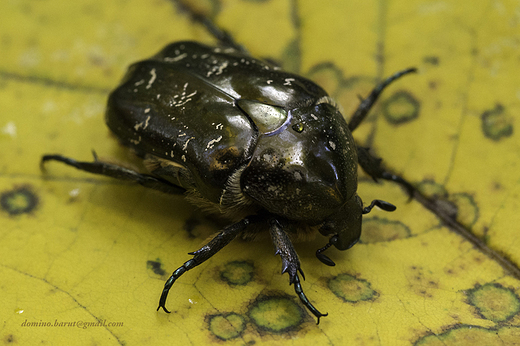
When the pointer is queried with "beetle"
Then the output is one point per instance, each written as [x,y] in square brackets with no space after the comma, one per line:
[263,148]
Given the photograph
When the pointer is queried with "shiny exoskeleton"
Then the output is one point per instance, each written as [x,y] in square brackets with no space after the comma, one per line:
[264,148]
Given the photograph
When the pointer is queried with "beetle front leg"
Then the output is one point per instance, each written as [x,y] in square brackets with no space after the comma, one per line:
[290,263]
[118,172]
[370,164]
[204,253]
[362,111]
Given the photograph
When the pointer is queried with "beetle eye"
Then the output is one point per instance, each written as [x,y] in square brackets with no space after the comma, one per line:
[298,127]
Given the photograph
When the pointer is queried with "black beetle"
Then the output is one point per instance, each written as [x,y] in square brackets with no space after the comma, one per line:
[261,147]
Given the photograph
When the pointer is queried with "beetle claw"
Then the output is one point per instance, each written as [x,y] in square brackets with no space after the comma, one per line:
[305,301]
[164,308]
[301,272]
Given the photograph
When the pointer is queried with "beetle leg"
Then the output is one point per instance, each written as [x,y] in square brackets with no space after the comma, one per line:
[222,36]
[372,166]
[290,263]
[365,106]
[204,253]
[117,172]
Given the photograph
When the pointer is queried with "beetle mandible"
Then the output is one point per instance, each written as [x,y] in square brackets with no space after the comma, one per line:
[261,147]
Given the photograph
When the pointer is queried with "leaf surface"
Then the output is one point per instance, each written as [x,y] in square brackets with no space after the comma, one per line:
[85,257]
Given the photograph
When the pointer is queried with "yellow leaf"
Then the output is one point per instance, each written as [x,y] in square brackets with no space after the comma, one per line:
[84,258]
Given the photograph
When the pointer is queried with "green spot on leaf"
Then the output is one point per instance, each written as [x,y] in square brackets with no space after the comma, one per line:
[351,289]
[461,335]
[276,314]
[227,326]
[496,124]
[238,273]
[377,230]
[494,302]
[400,108]
[467,210]
[431,189]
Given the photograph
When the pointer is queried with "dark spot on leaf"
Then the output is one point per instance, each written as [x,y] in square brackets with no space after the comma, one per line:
[20,200]
[478,259]
[9,339]
[496,123]
[432,60]
[156,267]
[189,227]
[401,107]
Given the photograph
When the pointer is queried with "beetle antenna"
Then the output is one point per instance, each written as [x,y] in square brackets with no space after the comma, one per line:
[366,104]
[381,204]
[323,258]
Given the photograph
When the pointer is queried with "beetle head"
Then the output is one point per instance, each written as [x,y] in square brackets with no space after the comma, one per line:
[306,169]
[345,224]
